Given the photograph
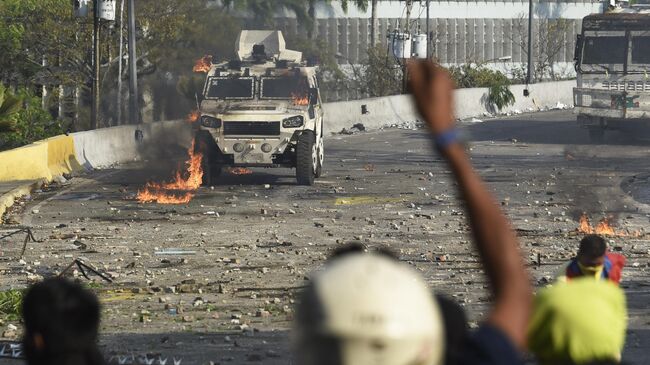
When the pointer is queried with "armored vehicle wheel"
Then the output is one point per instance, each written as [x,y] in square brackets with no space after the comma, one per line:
[321,157]
[211,171]
[306,158]
[596,135]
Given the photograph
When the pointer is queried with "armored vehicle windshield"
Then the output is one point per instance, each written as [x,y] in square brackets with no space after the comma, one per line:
[230,88]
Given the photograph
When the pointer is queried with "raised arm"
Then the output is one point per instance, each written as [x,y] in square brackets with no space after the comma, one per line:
[497,244]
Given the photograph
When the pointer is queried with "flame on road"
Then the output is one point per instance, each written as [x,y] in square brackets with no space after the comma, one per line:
[179,191]
[603,227]
[203,64]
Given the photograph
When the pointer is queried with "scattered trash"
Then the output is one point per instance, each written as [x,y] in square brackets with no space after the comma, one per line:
[28,238]
[82,268]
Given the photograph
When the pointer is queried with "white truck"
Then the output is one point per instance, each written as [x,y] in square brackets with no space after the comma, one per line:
[262,109]
[612,61]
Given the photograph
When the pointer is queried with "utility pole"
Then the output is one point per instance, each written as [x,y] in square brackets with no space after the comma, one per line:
[428,30]
[134,108]
[96,60]
[529,74]
[119,67]
[407,38]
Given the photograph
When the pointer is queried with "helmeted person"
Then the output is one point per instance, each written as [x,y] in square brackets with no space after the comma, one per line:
[594,260]
[367,308]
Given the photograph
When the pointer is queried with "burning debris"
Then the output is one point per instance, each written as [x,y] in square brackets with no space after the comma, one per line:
[240,171]
[203,64]
[193,117]
[181,190]
[603,227]
[300,100]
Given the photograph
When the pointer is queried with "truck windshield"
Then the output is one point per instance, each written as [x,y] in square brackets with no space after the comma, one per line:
[230,88]
[641,50]
[604,50]
[284,87]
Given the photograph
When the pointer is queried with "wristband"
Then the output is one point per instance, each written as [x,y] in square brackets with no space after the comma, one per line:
[445,139]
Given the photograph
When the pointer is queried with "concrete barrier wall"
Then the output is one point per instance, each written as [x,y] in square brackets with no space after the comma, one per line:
[25,163]
[399,109]
[106,147]
[110,146]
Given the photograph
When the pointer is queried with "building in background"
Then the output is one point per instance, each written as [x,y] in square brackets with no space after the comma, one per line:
[490,32]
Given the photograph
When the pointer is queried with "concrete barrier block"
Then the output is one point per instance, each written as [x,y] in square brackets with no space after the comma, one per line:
[61,158]
[25,163]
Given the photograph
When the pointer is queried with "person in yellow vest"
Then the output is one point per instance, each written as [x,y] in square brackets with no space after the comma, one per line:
[579,322]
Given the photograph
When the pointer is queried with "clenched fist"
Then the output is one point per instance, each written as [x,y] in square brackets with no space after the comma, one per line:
[433,90]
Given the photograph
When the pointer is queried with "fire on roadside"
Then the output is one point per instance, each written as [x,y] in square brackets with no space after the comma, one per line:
[299,100]
[203,64]
[604,227]
[240,171]
[179,191]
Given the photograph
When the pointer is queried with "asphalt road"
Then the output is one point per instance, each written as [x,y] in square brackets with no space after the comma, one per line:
[246,246]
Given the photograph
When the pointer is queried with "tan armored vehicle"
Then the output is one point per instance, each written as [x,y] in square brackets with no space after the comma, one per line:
[262,109]
[612,63]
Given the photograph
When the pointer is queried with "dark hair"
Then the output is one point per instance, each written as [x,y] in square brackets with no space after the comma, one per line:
[66,316]
[592,246]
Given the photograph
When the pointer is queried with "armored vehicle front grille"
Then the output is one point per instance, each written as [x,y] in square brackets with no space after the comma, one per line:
[251,128]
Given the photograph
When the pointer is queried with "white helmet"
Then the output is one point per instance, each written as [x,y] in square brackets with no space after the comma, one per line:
[368,309]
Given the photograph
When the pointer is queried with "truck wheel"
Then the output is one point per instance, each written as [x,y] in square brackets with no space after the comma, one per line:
[321,157]
[306,159]
[597,135]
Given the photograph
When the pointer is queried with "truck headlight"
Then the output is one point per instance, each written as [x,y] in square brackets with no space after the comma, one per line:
[293,122]
[210,122]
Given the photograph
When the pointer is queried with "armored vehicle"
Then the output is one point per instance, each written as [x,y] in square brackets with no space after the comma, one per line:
[612,62]
[262,109]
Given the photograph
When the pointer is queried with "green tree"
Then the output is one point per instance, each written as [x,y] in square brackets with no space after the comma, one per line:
[9,107]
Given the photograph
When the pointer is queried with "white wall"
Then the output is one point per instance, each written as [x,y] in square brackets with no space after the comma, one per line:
[110,146]
[399,109]
[465,10]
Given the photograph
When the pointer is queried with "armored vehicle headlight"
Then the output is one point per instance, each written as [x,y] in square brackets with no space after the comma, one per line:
[266,148]
[238,147]
[293,122]
[210,122]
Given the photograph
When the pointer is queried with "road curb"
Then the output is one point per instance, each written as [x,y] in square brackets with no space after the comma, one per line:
[8,199]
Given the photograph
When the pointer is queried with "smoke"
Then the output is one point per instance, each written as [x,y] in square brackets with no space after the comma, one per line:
[590,187]
[164,146]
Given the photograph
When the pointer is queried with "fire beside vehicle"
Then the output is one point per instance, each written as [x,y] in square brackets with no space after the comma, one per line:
[612,62]
[262,110]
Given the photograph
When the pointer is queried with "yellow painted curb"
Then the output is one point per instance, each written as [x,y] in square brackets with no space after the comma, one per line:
[363,200]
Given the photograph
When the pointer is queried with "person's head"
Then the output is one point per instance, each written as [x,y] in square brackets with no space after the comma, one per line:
[61,324]
[591,254]
[368,308]
[582,321]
